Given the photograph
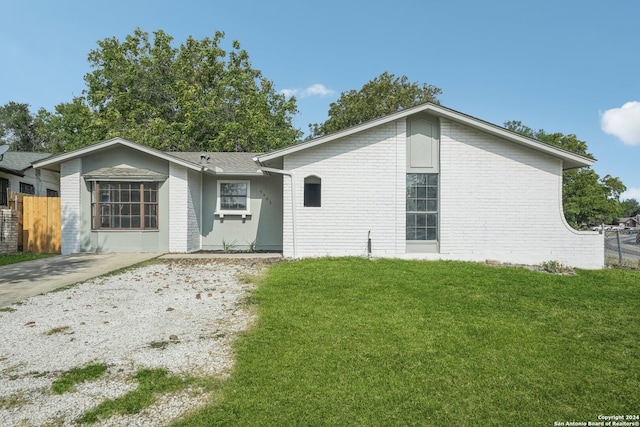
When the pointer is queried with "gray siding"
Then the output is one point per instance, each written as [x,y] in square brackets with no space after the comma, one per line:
[264,226]
[116,240]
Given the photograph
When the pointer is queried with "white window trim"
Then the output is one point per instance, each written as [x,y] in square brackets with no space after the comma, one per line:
[222,212]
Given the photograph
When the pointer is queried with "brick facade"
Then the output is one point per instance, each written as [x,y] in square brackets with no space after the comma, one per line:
[498,200]
[178,217]
[70,188]
[362,192]
[194,212]
[8,231]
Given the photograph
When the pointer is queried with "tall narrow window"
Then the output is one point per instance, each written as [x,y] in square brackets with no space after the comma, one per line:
[4,186]
[312,191]
[422,206]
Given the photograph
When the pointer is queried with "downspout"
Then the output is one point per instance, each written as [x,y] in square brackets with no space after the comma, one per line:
[293,202]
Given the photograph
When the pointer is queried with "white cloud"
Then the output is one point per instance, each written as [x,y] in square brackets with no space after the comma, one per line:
[623,122]
[631,193]
[289,92]
[313,90]
[317,89]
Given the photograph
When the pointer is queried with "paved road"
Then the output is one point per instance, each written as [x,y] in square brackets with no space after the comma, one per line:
[25,279]
[628,247]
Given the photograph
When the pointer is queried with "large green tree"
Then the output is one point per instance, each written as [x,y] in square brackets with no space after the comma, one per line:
[19,128]
[630,207]
[383,95]
[193,97]
[587,198]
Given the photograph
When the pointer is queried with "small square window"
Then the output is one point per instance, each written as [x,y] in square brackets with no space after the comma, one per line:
[233,197]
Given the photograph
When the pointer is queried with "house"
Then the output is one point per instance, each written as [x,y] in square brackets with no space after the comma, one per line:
[631,222]
[17,174]
[397,186]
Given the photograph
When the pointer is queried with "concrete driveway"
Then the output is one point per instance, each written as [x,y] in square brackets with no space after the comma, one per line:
[25,279]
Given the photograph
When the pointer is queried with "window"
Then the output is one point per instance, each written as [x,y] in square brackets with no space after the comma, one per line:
[52,193]
[27,188]
[422,206]
[124,205]
[312,191]
[4,186]
[233,197]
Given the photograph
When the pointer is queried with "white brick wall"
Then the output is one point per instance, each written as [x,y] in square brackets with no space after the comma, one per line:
[70,186]
[498,200]
[178,208]
[502,201]
[194,212]
[360,193]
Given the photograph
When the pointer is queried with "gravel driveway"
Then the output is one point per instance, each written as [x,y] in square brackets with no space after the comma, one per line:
[182,315]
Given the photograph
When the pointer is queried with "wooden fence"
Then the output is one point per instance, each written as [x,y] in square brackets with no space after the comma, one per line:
[39,222]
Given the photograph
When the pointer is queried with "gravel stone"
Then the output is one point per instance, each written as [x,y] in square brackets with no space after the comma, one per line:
[182,315]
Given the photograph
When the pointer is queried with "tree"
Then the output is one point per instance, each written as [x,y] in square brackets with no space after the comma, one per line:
[630,208]
[72,125]
[383,95]
[195,97]
[19,129]
[586,197]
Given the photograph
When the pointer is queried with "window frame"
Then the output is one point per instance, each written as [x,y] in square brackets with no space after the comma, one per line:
[52,193]
[98,204]
[220,211]
[312,198]
[429,211]
[30,187]
[5,185]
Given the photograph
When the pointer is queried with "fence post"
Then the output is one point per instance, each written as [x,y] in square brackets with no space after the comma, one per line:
[619,247]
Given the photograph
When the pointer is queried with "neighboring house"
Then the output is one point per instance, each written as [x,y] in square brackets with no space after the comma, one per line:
[398,186]
[17,174]
[631,222]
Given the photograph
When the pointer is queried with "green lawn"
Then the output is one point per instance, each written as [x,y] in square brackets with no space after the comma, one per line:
[6,259]
[389,342]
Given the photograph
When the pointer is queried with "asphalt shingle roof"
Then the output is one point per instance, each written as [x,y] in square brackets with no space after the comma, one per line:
[228,162]
[18,161]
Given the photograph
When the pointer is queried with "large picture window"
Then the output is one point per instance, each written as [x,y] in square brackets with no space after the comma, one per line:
[422,206]
[124,205]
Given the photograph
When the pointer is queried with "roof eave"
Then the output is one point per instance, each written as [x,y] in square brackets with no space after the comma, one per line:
[56,160]
[570,160]
[11,171]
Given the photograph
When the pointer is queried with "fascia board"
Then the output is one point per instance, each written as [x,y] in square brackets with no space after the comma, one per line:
[341,134]
[80,152]
[571,160]
[12,171]
[574,160]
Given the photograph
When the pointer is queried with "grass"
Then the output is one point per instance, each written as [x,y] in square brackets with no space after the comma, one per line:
[78,375]
[151,382]
[389,342]
[6,259]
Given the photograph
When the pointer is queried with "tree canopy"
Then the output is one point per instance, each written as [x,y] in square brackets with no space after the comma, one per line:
[195,97]
[586,197]
[383,95]
[630,207]
[19,128]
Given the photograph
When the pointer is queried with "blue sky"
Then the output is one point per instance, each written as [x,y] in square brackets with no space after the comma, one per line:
[563,66]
